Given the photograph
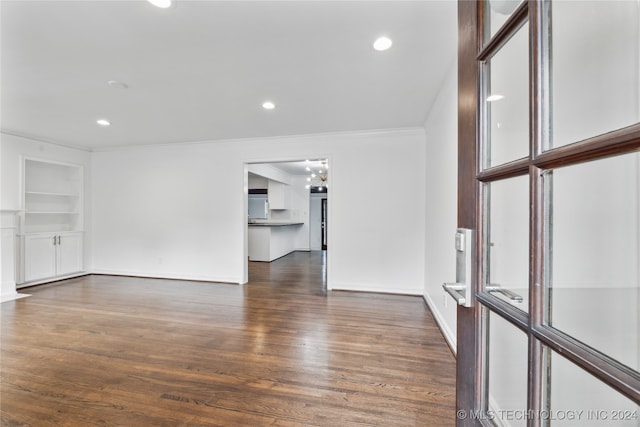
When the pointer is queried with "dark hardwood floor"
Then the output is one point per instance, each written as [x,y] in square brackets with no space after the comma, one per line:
[279,351]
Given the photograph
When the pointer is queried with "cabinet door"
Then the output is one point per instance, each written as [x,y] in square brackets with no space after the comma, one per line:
[69,253]
[278,195]
[40,257]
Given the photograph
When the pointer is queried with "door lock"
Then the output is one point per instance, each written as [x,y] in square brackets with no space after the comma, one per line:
[461,289]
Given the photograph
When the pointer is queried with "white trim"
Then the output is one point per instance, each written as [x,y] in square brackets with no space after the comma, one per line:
[449,336]
[12,297]
[45,140]
[53,162]
[9,218]
[353,287]
[52,279]
[169,276]
[8,254]
[267,139]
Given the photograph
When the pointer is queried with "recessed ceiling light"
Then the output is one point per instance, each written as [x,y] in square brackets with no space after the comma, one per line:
[163,4]
[103,122]
[117,84]
[268,105]
[382,43]
[495,97]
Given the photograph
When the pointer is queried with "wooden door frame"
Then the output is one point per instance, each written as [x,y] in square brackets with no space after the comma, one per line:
[468,326]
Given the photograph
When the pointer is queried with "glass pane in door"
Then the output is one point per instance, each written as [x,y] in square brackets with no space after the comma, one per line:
[498,12]
[579,399]
[595,253]
[508,241]
[507,372]
[595,57]
[506,101]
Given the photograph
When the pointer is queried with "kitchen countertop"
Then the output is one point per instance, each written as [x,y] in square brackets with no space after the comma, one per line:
[273,224]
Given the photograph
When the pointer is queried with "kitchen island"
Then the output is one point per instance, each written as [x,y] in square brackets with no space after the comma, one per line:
[271,240]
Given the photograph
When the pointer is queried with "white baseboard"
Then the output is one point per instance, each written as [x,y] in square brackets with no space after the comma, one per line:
[172,276]
[380,290]
[12,296]
[449,336]
[52,279]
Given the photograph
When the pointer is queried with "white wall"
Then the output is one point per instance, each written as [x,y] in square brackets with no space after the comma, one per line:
[179,210]
[256,181]
[270,172]
[299,212]
[12,148]
[441,204]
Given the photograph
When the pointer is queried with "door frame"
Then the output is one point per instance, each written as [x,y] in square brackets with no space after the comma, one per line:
[468,323]
[245,206]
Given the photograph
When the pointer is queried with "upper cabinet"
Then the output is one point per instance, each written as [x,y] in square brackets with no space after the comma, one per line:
[278,195]
[52,197]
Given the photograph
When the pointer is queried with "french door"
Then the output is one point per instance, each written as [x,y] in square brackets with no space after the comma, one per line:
[549,180]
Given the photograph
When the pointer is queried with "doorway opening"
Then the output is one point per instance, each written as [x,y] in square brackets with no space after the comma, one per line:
[287,213]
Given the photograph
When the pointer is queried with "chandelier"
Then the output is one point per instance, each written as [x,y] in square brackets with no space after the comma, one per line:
[318,175]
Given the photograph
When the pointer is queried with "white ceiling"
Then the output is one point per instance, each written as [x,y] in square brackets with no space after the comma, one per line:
[300,168]
[200,70]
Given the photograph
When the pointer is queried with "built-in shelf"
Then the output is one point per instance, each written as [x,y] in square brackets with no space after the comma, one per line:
[51,237]
[52,196]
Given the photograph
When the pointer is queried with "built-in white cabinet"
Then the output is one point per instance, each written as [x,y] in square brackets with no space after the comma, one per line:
[278,195]
[51,229]
[49,255]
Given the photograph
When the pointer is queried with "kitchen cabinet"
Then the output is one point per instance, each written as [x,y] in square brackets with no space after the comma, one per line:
[278,195]
[269,241]
[49,255]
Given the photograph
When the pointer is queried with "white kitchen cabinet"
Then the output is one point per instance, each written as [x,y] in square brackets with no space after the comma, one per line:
[278,195]
[269,241]
[49,255]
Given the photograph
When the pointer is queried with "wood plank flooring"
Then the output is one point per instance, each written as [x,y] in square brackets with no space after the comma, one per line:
[278,351]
